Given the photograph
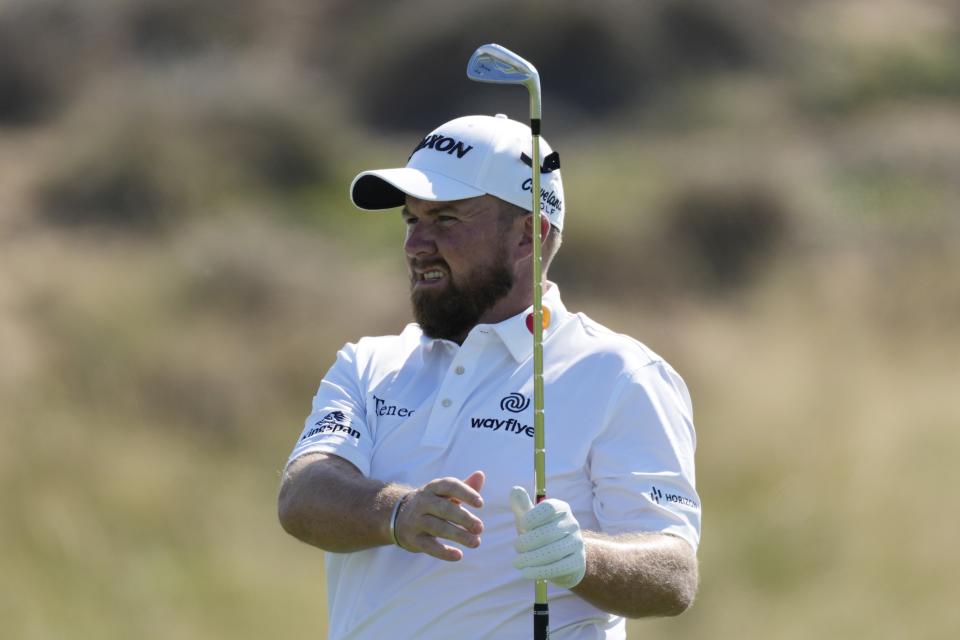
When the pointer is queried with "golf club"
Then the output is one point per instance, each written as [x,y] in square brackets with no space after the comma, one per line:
[498,65]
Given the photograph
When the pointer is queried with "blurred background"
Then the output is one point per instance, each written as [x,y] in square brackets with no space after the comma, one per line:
[765,192]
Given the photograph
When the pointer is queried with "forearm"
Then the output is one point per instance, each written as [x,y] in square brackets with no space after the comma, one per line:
[326,502]
[639,575]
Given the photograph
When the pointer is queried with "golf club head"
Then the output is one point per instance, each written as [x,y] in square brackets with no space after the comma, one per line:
[493,63]
[498,65]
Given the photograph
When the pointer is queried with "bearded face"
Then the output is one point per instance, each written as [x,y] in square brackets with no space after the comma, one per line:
[450,309]
[462,257]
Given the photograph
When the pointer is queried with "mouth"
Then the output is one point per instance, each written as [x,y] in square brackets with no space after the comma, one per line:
[430,277]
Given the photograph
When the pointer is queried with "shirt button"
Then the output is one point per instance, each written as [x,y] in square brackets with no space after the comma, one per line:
[459,371]
[446,402]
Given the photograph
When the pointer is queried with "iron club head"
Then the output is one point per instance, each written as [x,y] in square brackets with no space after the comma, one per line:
[498,65]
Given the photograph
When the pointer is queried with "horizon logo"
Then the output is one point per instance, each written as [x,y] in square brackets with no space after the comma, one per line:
[515,403]
[440,142]
[656,495]
[333,422]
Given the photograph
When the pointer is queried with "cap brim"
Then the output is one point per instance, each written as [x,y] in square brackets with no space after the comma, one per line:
[388,188]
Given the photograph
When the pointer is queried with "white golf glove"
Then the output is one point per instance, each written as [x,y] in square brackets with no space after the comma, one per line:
[549,545]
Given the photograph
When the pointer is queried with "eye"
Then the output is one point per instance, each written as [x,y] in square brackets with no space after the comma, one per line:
[409,220]
[446,220]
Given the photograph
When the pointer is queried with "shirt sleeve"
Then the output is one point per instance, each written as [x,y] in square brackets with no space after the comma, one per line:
[337,423]
[642,463]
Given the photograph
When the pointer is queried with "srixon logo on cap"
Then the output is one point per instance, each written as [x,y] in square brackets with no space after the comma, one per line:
[440,142]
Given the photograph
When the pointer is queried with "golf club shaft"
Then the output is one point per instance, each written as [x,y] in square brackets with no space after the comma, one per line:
[541,612]
[495,64]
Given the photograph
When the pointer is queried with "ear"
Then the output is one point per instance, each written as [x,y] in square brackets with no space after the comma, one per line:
[528,227]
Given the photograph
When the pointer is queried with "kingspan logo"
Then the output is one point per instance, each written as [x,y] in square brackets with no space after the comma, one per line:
[440,142]
[333,422]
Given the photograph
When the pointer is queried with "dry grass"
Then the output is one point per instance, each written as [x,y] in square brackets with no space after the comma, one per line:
[133,508]
[826,435]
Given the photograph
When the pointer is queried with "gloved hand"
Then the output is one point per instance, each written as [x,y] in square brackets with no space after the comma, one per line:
[549,545]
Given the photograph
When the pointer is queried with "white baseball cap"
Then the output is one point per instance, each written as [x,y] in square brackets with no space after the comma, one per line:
[465,158]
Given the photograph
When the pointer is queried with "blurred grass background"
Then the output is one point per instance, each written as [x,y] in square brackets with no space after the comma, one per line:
[765,192]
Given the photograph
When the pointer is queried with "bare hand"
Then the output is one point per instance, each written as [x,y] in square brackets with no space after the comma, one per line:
[436,512]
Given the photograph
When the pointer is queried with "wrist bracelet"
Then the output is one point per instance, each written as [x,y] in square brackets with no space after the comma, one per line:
[393,519]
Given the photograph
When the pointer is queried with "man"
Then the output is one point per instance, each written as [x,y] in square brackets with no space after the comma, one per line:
[403,472]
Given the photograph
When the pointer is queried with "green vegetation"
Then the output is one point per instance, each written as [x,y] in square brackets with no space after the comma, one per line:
[769,202]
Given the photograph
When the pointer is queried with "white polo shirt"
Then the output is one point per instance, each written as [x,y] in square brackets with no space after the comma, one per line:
[620,449]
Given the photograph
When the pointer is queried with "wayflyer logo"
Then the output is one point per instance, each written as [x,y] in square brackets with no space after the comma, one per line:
[510,425]
[515,403]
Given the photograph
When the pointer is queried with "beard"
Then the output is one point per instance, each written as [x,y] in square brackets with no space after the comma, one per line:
[452,311]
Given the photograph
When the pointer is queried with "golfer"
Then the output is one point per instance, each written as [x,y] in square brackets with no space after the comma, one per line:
[407,469]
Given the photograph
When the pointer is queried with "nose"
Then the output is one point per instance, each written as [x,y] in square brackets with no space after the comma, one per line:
[419,241]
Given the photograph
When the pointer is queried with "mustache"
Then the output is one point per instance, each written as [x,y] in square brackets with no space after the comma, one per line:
[414,263]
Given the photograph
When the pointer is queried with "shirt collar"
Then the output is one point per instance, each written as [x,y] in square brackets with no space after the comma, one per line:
[513,331]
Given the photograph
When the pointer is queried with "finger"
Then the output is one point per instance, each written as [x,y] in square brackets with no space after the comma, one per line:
[443,529]
[547,511]
[453,512]
[475,480]
[553,552]
[424,510]
[433,547]
[452,488]
[520,504]
[542,536]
